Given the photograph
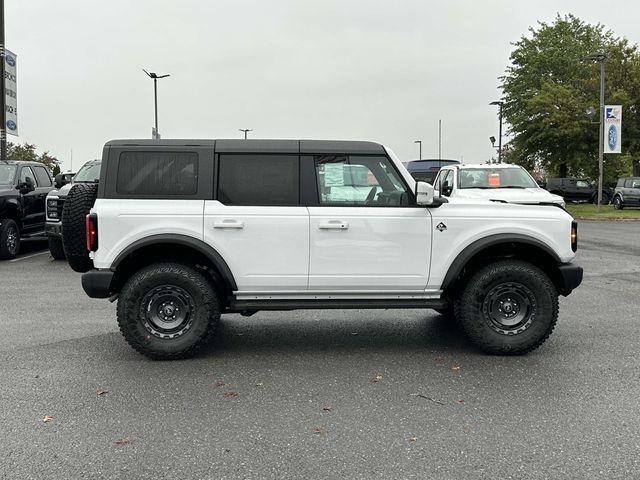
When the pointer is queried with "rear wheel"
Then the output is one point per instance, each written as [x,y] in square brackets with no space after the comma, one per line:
[605,199]
[168,311]
[509,307]
[55,249]
[617,203]
[9,239]
[81,198]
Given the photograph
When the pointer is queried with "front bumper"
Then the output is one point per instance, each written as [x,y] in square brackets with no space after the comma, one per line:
[53,229]
[570,277]
[97,283]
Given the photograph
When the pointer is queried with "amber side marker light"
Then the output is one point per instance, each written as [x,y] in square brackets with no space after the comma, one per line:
[574,235]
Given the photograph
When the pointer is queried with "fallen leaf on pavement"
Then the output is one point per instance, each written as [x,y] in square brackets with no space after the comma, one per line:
[123,441]
[101,392]
[466,429]
[219,384]
[376,379]
[230,394]
[326,409]
[413,439]
[318,431]
[47,418]
[460,401]
[456,368]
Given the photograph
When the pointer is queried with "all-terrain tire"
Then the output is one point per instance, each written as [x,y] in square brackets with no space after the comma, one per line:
[509,307]
[617,203]
[605,199]
[81,198]
[9,239]
[168,311]
[56,249]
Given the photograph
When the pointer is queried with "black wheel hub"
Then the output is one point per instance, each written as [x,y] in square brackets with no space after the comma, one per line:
[12,239]
[167,311]
[509,308]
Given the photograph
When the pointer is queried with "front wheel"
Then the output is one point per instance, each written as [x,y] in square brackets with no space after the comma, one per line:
[168,311]
[9,239]
[605,199]
[617,203]
[55,249]
[509,307]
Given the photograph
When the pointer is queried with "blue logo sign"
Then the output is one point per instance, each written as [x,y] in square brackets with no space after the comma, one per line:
[612,137]
[11,125]
[10,60]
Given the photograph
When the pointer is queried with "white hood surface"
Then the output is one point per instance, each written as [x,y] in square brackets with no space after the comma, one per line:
[511,195]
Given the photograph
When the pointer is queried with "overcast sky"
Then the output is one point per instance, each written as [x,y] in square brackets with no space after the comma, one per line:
[385,71]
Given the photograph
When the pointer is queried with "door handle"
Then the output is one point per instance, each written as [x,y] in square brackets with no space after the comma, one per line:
[333,225]
[228,223]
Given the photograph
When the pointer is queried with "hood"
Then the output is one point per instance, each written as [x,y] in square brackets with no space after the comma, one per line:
[63,192]
[512,195]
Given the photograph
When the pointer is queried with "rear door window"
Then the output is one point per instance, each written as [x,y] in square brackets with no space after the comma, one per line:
[259,179]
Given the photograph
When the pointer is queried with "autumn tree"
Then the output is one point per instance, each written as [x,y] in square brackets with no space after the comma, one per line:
[548,88]
[27,152]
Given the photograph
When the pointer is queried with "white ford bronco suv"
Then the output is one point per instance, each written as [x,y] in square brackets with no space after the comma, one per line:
[181,231]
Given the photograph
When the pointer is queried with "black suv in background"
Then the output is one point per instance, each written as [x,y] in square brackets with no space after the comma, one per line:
[577,190]
[23,189]
[627,193]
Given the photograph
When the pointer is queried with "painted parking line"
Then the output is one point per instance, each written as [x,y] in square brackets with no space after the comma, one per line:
[28,256]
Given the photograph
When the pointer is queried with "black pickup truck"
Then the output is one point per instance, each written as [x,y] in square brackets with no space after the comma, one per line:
[23,189]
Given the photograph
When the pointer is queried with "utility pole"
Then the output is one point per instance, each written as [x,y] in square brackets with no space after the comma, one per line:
[3,106]
[245,130]
[600,57]
[500,104]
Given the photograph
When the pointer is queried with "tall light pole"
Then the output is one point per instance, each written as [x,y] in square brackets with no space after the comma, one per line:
[155,77]
[600,57]
[245,130]
[499,103]
[419,142]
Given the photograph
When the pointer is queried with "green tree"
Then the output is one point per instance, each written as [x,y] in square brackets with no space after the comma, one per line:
[27,152]
[549,86]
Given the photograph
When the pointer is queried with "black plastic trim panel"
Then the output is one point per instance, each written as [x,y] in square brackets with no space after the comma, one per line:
[243,305]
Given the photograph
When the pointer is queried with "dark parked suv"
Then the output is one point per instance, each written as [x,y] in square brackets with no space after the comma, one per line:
[627,193]
[23,189]
[577,190]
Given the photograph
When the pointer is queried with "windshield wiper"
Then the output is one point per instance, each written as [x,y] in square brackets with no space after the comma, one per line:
[512,186]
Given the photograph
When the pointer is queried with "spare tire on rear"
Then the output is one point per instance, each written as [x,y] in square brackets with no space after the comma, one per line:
[81,198]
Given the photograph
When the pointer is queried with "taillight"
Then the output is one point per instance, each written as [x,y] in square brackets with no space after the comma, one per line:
[91,223]
[574,236]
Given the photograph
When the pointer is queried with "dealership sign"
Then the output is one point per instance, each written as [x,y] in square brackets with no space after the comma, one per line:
[11,92]
[612,128]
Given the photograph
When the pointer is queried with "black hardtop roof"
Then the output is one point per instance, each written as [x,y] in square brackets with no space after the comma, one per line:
[262,146]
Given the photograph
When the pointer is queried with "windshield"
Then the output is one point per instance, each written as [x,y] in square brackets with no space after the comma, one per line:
[90,172]
[496,178]
[7,174]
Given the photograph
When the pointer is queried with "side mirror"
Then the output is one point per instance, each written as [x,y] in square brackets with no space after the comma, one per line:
[446,190]
[26,186]
[424,193]
[60,181]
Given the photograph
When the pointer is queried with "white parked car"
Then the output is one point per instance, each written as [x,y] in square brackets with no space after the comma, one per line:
[497,182]
[182,231]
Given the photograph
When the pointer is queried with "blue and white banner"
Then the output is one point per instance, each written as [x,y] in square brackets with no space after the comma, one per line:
[612,128]
[11,91]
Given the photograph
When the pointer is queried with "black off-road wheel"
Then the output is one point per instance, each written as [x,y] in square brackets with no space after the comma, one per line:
[508,308]
[81,198]
[168,311]
[55,249]
[617,203]
[605,199]
[9,239]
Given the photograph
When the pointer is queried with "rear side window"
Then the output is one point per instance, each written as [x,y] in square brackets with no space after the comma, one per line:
[627,183]
[259,179]
[44,180]
[171,174]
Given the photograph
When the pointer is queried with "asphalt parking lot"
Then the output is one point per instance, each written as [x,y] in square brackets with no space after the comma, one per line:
[322,394]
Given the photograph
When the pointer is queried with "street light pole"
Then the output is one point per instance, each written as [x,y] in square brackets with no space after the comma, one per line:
[419,142]
[245,130]
[600,57]
[499,103]
[155,77]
